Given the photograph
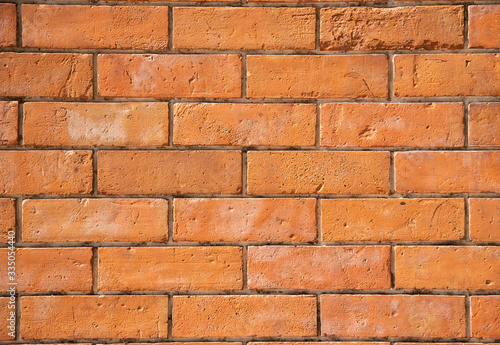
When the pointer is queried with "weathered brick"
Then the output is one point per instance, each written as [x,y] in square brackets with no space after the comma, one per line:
[241,316]
[392,124]
[46,75]
[447,172]
[8,25]
[433,75]
[447,267]
[244,28]
[485,316]
[7,218]
[244,124]
[8,318]
[305,267]
[270,220]
[290,172]
[372,28]
[77,317]
[121,75]
[94,124]
[393,316]
[169,172]
[45,172]
[49,269]
[300,76]
[182,268]
[392,220]
[307,1]
[97,220]
[484,21]
[88,27]
[484,220]
[484,121]
[8,119]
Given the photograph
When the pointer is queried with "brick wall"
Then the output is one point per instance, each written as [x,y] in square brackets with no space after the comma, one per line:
[258,173]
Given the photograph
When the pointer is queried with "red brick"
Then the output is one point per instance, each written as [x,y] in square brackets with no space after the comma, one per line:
[244,124]
[484,21]
[7,218]
[45,172]
[95,220]
[392,220]
[88,27]
[447,267]
[77,317]
[393,316]
[305,267]
[485,316]
[198,75]
[392,124]
[291,172]
[169,172]
[371,28]
[182,268]
[244,316]
[270,220]
[300,76]
[447,172]
[49,269]
[46,75]
[484,220]
[434,75]
[8,119]
[244,28]
[8,25]
[7,311]
[484,121]
[95,124]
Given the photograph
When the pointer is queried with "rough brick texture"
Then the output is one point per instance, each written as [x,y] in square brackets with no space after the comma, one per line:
[249,172]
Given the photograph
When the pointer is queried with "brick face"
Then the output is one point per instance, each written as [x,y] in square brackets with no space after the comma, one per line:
[485,316]
[484,220]
[483,20]
[483,122]
[9,120]
[8,25]
[7,218]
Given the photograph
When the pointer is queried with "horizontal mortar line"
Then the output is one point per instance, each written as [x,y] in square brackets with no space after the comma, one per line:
[259,52]
[257,196]
[269,292]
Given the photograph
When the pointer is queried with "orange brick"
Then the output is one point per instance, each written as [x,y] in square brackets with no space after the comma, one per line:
[198,75]
[393,316]
[447,267]
[169,172]
[484,121]
[484,220]
[182,268]
[392,124]
[8,119]
[447,172]
[8,25]
[46,75]
[484,21]
[94,124]
[270,220]
[95,220]
[433,75]
[7,218]
[305,267]
[242,316]
[87,27]
[290,172]
[371,28]
[45,172]
[8,318]
[77,317]
[485,316]
[308,1]
[392,220]
[300,76]
[49,269]
[244,28]
[318,343]
[244,124]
